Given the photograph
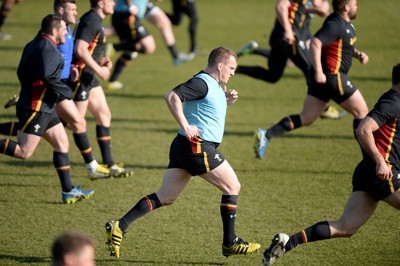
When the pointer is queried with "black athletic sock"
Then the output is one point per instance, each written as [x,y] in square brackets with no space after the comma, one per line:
[193,33]
[104,141]
[228,214]
[3,14]
[82,142]
[316,232]
[142,207]
[61,163]
[263,52]
[173,51]
[122,62]
[287,124]
[7,147]
[9,128]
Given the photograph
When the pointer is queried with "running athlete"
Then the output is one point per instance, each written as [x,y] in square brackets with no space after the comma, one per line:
[187,7]
[288,42]
[66,108]
[376,178]
[5,9]
[332,50]
[194,151]
[134,37]
[88,94]
[39,73]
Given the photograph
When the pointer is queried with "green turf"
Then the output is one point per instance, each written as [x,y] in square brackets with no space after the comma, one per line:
[305,177]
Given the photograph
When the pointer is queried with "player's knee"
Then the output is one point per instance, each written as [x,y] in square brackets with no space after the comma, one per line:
[167,201]
[150,49]
[78,126]
[232,189]
[274,78]
[61,144]
[23,154]
[347,233]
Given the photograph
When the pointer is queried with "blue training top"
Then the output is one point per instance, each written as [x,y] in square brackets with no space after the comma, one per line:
[67,50]
[208,114]
[122,7]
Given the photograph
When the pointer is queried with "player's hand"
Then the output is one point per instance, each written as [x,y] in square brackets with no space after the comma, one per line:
[289,37]
[191,132]
[134,10]
[231,96]
[363,58]
[74,73]
[104,72]
[320,77]
[106,61]
[383,171]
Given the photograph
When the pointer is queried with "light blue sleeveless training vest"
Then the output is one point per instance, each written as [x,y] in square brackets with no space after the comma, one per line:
[208,114]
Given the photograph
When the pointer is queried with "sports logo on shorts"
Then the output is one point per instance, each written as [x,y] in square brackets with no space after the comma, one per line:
[37,127]
[216,156]
[348,83]
[84,94]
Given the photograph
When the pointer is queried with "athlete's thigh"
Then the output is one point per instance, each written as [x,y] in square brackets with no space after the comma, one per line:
[68,112]
[174,181]
[82,107]
[356,105]
[393,199]
[278,57]
[27,142]
[159,18]
[358,210]
[149,43]
[312,108]
[57,138]
[224,178]
[98,106]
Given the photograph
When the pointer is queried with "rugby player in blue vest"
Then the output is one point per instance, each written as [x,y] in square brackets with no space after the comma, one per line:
[194,151]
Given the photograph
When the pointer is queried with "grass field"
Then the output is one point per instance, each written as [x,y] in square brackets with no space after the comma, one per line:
[305,177]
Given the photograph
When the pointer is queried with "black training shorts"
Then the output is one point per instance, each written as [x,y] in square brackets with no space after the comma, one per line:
[365,179]
[36,123]
[195,156]
[338,87]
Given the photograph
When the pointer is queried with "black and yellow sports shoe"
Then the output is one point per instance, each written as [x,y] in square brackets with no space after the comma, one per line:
[239,247]
[119,170]
[114,237]
[12,101]
[332,113]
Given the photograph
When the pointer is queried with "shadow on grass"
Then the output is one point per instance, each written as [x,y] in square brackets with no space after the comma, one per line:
[8,67]
[352,77]
[135,96]
[10,84]
[12,117]
[141,262]
[24,259]
[30,163]
[290,135]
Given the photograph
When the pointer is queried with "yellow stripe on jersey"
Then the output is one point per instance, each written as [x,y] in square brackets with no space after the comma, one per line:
[389,147]
[339,56]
